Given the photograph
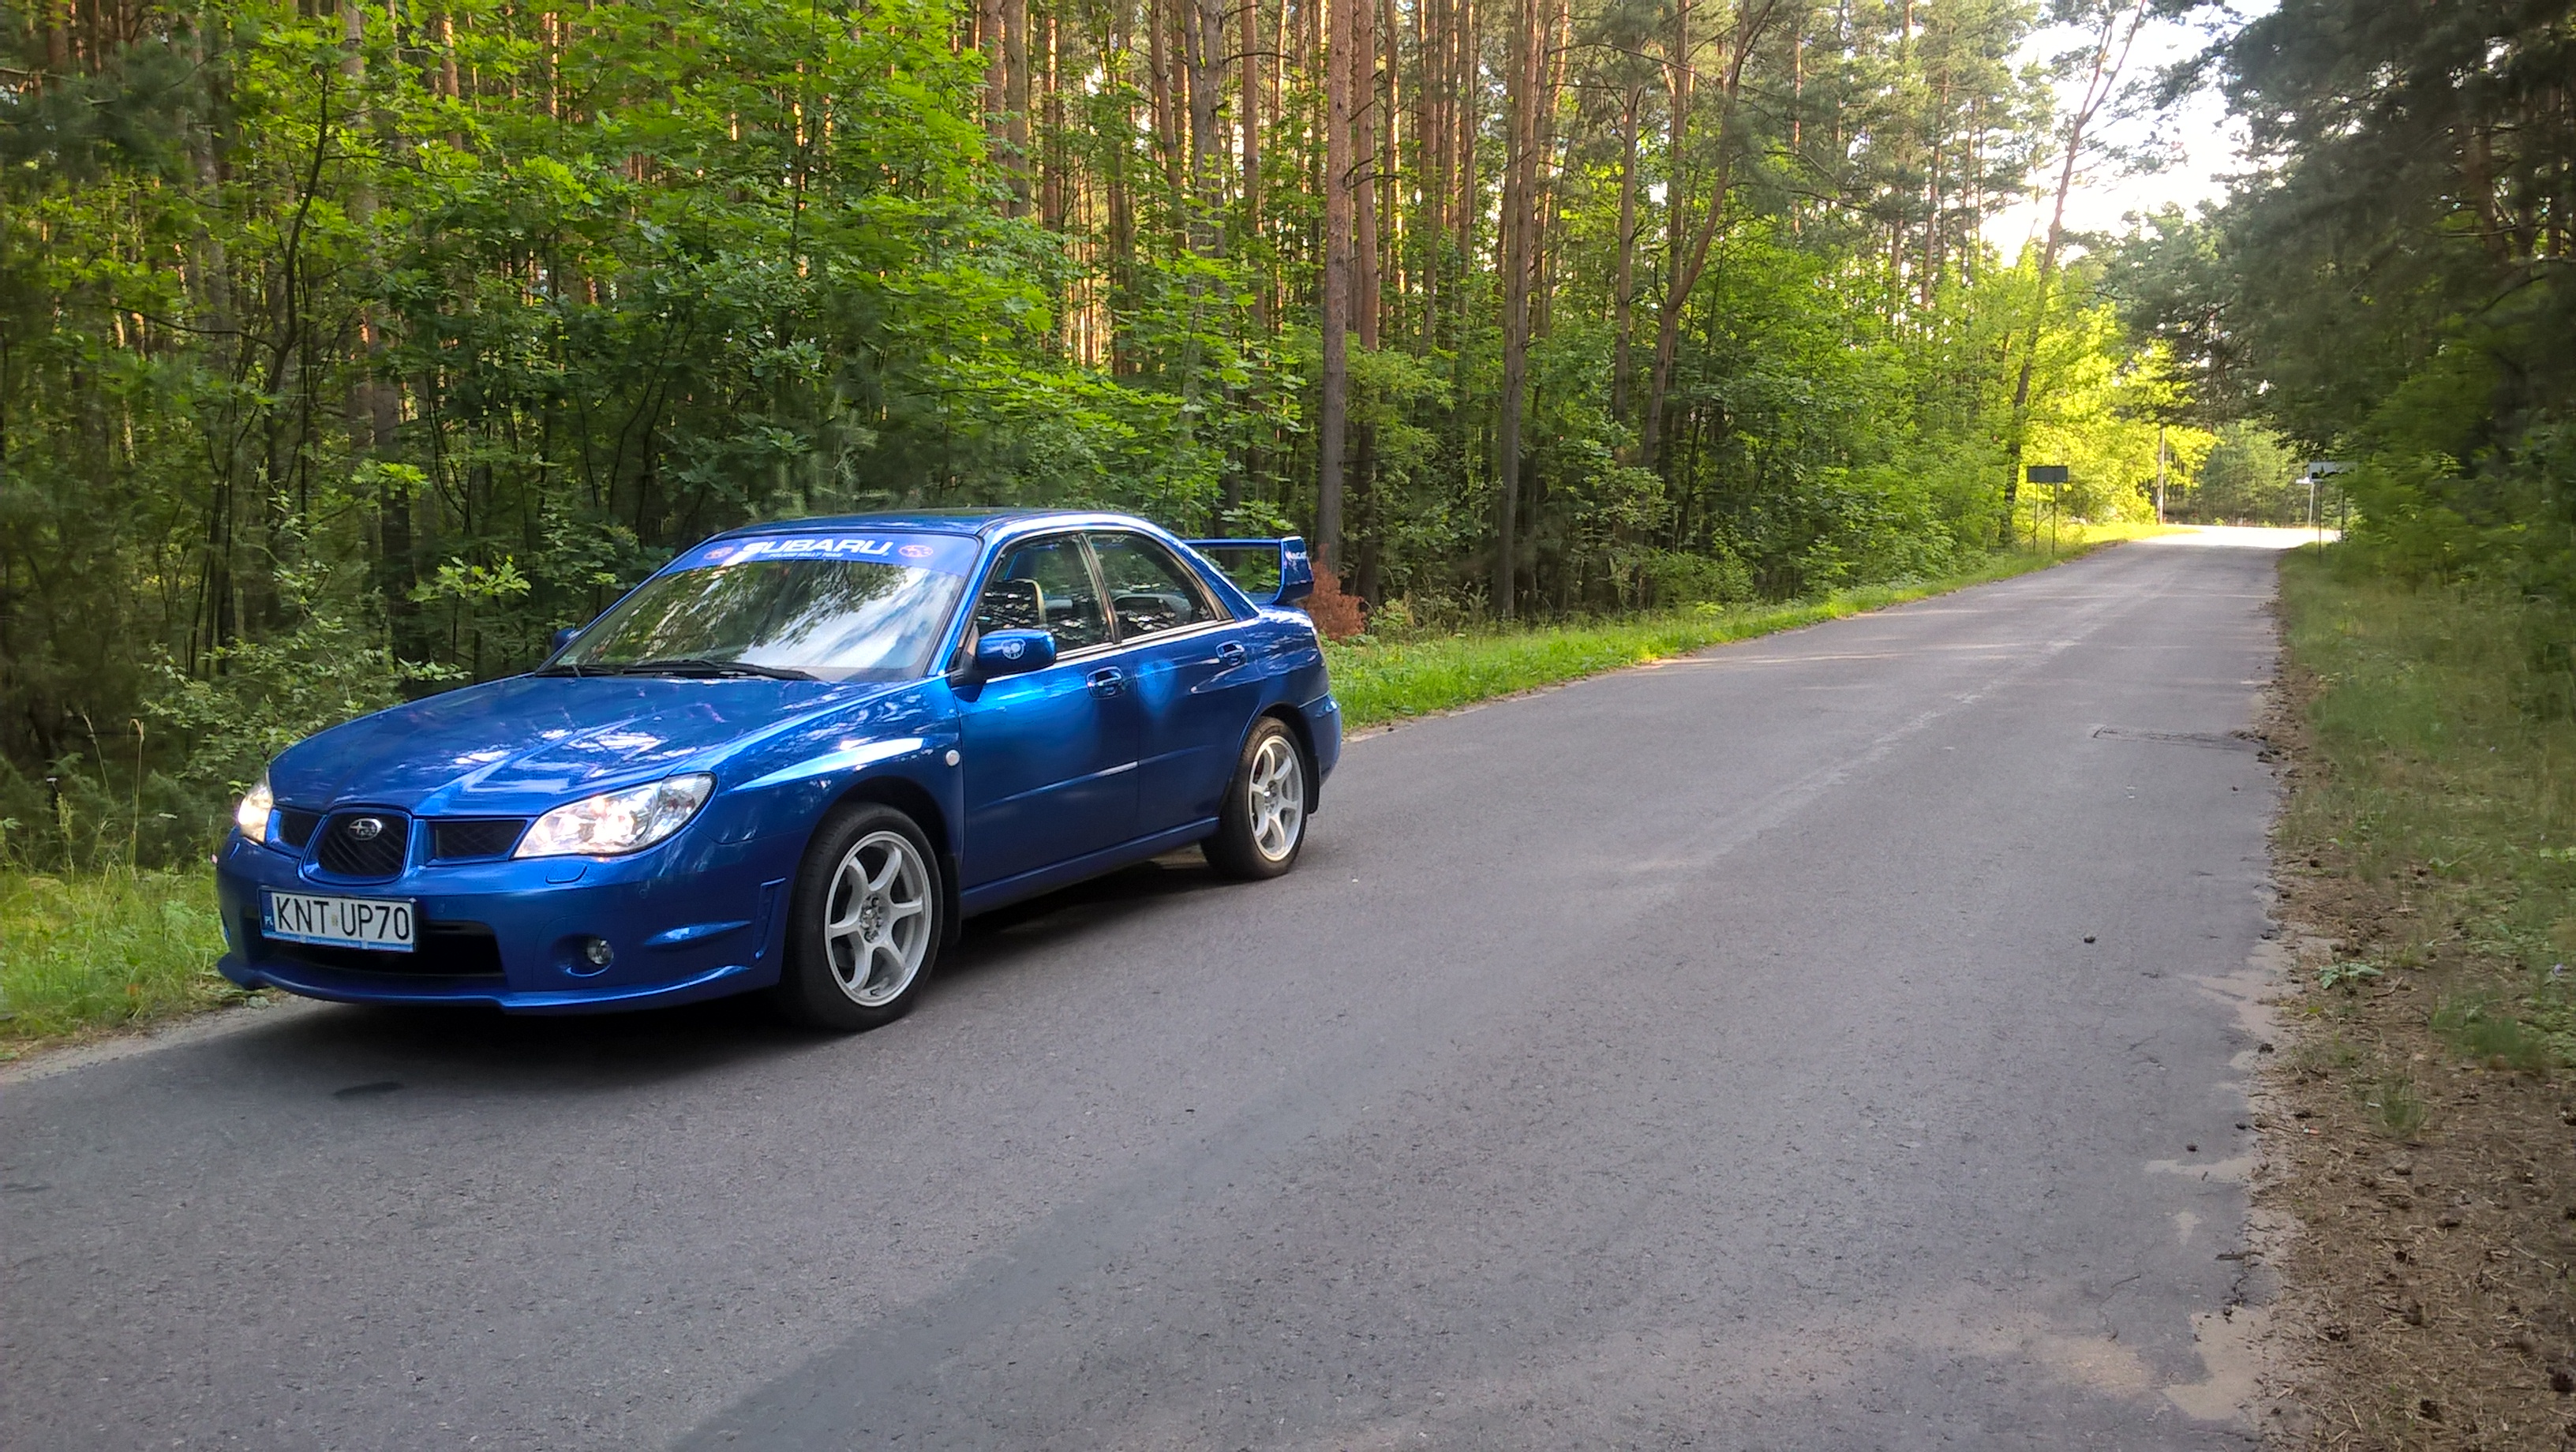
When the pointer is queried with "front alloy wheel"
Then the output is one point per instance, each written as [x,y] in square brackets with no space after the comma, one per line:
[876,925]
[865,930]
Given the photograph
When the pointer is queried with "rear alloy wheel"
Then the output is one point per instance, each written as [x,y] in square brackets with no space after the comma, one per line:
[1263,821]
[865,930]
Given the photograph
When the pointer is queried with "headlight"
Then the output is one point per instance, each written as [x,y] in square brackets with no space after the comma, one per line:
[615,822]
[252,815]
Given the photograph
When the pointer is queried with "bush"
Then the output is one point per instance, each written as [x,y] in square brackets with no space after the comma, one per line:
[1676,577]
[1337,616]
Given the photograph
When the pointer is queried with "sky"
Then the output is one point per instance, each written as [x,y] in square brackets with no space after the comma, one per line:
[2200,143]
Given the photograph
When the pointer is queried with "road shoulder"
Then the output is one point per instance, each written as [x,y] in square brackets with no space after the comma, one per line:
[2418,1191]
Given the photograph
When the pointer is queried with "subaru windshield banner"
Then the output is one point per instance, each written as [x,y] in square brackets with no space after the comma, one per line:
[946,554]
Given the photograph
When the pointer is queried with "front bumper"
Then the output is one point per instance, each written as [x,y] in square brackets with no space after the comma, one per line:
[682,926]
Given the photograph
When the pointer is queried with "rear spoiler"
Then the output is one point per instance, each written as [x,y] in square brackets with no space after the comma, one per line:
[1271,571]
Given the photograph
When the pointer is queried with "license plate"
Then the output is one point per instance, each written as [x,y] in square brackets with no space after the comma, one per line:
[340,922]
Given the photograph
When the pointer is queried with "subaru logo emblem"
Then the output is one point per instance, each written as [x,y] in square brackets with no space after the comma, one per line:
[366,829]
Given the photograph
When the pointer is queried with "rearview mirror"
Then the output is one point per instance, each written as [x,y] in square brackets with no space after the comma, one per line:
[1013,652]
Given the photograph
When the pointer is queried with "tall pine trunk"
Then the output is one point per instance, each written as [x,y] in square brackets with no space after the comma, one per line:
[1333,408]
[1523,97]
[1690,257]
[1623,286]
[2099,85]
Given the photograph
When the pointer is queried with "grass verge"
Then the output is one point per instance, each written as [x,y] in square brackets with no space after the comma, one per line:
[1381,681]
[83,952]
[2419,1126]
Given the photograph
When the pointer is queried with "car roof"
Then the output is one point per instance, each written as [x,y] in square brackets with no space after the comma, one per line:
[980,522]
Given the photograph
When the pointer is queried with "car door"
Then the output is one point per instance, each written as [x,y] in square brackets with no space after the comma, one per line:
[1049,757]
[1194,683]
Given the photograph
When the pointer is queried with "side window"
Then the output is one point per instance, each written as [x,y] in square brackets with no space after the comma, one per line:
[1149,591]
[1044,585]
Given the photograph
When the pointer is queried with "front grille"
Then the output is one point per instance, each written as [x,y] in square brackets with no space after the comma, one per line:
[445,950]
[295,826]
[343,852]
[463,838]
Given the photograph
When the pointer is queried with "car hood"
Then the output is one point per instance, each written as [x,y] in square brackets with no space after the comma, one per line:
[521,745]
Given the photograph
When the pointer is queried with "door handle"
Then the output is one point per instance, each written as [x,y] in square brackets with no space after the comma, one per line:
[1107,681]
[1232,654]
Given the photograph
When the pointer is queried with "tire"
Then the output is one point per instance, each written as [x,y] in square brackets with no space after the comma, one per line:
[864,925]
[1261,827]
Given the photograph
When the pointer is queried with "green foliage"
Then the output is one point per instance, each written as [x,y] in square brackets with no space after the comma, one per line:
[1674,577]
[267,695]
[347,352]
[2389,286]
[2251,476]
[2346,976]
[104,949]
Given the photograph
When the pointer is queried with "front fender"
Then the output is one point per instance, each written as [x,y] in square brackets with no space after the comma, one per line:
[792,781]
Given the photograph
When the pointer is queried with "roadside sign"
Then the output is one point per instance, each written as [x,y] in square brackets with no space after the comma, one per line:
[2048,473]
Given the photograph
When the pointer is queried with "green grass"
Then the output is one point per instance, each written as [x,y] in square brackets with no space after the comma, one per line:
[2448,793]
[1380,681]
[2397,1103]
[87,951]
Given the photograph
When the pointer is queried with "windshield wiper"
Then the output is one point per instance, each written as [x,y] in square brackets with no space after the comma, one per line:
[568,669]
[692,665]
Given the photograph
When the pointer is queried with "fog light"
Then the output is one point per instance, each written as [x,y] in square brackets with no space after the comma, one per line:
[597,951]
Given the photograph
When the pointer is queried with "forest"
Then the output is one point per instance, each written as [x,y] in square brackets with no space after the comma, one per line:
[2388,284]
[349,349]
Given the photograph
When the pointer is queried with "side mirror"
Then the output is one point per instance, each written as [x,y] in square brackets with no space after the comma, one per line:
[1013,652]
[563,638]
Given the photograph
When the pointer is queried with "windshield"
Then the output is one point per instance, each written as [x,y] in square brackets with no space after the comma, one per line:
[831,619]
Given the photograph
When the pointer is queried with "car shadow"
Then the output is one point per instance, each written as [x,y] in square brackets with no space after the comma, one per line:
[1001,938]
[361,1050]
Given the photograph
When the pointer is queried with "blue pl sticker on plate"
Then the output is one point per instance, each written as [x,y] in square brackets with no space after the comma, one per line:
[946,554]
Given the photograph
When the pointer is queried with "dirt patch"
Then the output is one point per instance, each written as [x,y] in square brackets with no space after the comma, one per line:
[2428,1201]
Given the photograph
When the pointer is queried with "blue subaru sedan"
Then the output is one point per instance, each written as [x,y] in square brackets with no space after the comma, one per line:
[793,761]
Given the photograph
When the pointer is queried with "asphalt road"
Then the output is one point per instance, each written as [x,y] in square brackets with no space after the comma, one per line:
[1833,1041]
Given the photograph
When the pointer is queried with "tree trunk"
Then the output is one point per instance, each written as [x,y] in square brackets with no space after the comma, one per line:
[1390,138]
[374,402]
[1332,413]
[1431,144]
[1361,77]
[1206,52]
[1167,147]
[1249,40]
[1015,99]
[1122,199]
[1051,146]
[1523,96]
[2098,87]
[1689,259]
[1468,120]
[997,76]
[1623,287]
